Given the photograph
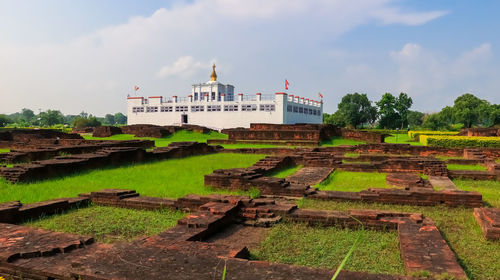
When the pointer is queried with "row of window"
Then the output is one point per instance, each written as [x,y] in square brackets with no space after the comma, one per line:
[210,108]
[302,110]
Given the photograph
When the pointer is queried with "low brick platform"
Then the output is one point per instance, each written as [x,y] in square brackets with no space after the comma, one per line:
[181,252]
[489,220]
[20,242]
[423,248]
[406,180]
[442,182]
[310,175]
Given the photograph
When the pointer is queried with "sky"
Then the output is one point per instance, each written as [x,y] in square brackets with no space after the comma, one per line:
[87,55]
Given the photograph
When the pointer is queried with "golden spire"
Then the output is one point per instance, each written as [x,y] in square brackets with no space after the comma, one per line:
[213,77]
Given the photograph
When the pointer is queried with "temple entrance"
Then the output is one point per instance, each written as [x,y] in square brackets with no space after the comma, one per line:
[184,118]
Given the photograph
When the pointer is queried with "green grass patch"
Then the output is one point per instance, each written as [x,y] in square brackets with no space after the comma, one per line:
[444,158]
[489,189]
[348,181]
[351,155]
[300,244]
[476,167]
[401,139]
[180,136]
[478,257]
[283,173]
[169,178]
[110,224]
[338,141]
[4,151]
[423,176]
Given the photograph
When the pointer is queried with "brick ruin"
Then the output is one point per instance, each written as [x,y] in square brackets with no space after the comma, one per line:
[95,156]
[185,248]
[146,130]
[183,252]
[416,191]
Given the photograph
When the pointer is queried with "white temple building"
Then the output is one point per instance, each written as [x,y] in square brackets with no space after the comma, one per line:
[214,105]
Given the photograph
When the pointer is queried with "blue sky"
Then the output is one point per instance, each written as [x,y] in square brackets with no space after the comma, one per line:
[87,55]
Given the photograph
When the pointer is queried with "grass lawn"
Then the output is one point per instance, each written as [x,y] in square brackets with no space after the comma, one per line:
[180,136]
[4,150]
[169,178]
[348,181]
[444,158]
[401,139]
[299,244]
[489,189]
[338,141]
[477,167]
[110,224]
[283,173]
[478,257]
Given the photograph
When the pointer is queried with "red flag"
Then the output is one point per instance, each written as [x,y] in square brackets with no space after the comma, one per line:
[286,84]
[320,95]
[136,88]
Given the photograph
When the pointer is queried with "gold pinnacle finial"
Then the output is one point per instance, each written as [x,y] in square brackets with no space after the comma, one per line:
[213,77]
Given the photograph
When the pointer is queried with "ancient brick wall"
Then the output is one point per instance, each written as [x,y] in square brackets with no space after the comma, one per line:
[106,131]
[366,136]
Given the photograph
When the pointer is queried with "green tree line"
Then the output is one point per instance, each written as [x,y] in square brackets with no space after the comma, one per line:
[355,110]
[27,118]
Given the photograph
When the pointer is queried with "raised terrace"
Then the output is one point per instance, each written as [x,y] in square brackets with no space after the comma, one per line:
[101,209]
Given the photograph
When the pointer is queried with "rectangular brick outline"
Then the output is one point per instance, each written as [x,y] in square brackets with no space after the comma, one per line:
[410,227]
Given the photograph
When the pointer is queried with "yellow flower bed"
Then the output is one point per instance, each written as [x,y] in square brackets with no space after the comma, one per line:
[414,133]
[460,141]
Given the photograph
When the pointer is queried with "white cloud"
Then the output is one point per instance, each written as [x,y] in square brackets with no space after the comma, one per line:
[390,15]
[184,66]
[257,41]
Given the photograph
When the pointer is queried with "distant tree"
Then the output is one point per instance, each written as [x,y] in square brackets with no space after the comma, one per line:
[393,111]
[467,109]
[415,119]
[333,119]
[80,122]
[27,115]
[387,111]
[120,118]
[109,119]
[433,122]
[402,106]
[69,119]
[4,120]
[84,115]
[51,117]
[355,109]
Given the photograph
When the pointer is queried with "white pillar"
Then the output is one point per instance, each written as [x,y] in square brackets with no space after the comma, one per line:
[259,96]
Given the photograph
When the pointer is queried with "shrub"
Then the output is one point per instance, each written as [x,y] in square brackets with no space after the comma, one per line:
[415,133]
[460,141]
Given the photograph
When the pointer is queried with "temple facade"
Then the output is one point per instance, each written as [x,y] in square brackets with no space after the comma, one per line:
[214,105]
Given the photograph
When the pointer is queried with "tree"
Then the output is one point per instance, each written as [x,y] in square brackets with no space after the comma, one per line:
[387,111]
[80,122]
[120,118]
[393,110]
[27,115]
[4,120]
[415,119]
[467,109]
[51,117]
[403,105]
[109,119]
[355,109]
[433,122]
